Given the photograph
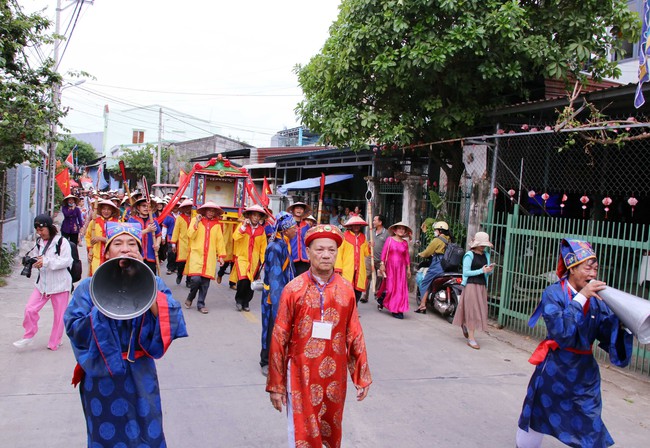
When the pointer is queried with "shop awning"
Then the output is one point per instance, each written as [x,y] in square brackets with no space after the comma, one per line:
[313,182]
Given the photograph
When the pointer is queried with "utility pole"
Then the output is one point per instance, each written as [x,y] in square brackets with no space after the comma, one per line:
[56,100]
[158,162]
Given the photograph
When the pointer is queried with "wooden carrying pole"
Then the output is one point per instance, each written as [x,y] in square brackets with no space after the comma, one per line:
[371,238]
[320,197]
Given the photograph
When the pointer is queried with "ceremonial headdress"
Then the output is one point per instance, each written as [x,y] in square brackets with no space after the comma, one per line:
[299,204]
[573,253]
[481,239]
[284,221]
[324,231]
[355,221]
[115,229]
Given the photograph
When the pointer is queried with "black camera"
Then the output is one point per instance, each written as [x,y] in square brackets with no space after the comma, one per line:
[28,262]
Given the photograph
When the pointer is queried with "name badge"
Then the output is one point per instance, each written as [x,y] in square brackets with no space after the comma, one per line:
[321,330]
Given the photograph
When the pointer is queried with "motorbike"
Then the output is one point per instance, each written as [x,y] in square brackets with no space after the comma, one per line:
[444,292]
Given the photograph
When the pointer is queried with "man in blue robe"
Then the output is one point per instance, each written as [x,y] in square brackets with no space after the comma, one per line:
[278,271]
[563,398]
[119,388]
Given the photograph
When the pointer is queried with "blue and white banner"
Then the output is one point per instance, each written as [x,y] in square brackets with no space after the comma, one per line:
[644,56]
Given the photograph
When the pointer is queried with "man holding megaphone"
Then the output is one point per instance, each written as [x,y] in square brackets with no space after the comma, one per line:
[115,354]
[563,398]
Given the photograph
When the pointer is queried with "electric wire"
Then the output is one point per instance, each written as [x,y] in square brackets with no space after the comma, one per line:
[74,25]
[199,93]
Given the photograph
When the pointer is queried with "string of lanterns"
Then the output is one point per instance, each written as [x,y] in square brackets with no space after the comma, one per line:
[584,200]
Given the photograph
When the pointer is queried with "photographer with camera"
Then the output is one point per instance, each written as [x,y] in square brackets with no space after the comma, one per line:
[53,281]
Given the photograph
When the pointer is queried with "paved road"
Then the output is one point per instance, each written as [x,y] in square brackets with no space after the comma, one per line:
[429,390]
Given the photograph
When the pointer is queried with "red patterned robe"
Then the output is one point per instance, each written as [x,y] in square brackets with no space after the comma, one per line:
[318,366]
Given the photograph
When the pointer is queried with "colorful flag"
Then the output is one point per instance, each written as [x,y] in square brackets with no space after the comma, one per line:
[69,161]
[266,191]
[644,56]
[63,181]
[265,187]
[86,182]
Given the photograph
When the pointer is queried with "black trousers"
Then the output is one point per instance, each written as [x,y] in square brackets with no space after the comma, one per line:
[264,353]
[198,284]
[171,259]
[301,267]
[72,237]
[357,295]
[244,293]
[222,269]
[180,267]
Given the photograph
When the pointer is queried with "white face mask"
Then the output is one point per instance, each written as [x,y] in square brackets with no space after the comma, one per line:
[70,203]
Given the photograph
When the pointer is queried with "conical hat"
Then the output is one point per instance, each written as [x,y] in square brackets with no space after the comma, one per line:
[301,204]
[255,208]
[355,221]
[209,204]
[391,229]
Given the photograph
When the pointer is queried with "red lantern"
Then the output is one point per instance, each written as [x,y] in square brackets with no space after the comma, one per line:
[531,194]
[545,197]
[495,191]
[633,202]
[511,193]
[584,200]
[607,202]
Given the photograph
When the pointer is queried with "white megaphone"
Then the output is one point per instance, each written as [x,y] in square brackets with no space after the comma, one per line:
[633,311]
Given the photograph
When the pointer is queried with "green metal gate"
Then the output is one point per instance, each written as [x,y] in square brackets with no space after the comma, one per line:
[526,253]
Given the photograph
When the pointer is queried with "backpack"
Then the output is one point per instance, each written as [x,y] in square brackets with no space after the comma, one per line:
[453,256]
[76,268]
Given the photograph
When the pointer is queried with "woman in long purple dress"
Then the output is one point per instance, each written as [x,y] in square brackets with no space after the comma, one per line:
[72,220]
[395,267]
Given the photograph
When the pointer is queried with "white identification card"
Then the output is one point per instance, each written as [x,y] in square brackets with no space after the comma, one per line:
[321,330]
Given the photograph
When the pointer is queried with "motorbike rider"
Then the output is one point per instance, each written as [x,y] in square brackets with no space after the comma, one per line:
[435,250]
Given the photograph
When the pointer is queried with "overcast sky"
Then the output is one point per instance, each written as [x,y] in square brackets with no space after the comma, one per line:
[238,56]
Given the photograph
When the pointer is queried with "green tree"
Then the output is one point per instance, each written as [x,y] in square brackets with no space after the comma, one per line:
[399,72]
[26,106]
[84,152]
[140,162]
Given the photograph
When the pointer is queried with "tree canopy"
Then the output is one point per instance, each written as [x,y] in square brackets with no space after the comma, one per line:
[399,72]
[84,153]
[26,106]
[139,163]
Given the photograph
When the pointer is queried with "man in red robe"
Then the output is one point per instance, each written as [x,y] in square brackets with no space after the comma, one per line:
[316,337]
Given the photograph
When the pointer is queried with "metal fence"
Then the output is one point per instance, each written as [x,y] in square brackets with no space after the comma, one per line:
[526,253]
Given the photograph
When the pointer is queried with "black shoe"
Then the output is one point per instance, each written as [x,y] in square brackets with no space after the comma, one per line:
[398,315]
[364,300]
[178,280]
[247,309]
[421,311]
[239,307]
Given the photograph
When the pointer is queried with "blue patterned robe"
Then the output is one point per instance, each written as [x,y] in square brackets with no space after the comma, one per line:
[119,391]
[278,271]
[563,397]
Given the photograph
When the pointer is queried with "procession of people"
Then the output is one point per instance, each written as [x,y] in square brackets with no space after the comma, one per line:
[312,277]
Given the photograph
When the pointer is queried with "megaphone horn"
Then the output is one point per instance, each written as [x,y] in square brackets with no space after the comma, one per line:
[123,288]
[633,311]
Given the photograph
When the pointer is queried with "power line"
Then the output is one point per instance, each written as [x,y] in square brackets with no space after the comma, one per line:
[74,25]
[197,93]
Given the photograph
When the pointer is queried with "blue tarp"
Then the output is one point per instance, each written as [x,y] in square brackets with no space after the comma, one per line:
[314,182]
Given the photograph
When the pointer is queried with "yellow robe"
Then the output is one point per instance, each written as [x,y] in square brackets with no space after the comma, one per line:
[249,248]
[97,227]
[351,259]
[206,244]
[180,238]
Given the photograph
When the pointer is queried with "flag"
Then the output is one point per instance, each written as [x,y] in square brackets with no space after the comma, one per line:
[265,186]
[69,161]
[101,182]
[181,177]
[63,181]
[644,57]
[322,186]
[86,182]
[266,191]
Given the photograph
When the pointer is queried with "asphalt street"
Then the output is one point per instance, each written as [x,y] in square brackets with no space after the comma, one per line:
[430,389]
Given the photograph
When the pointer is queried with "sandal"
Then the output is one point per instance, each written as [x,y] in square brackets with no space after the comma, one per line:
[203,310]
[472,343]
[188,304]
[421,311]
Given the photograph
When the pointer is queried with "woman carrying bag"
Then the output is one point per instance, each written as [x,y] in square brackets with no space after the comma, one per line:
[395,267]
